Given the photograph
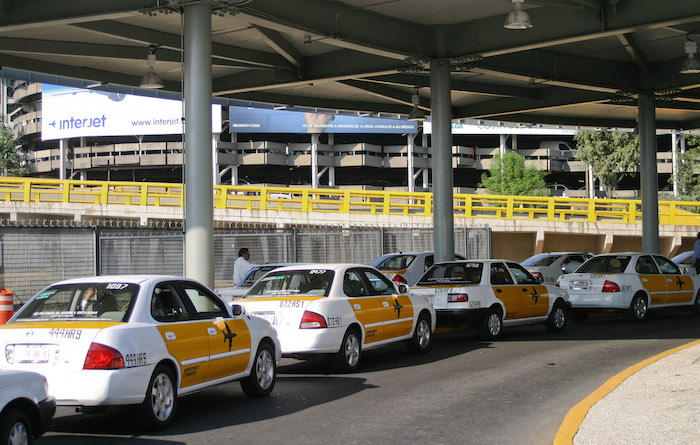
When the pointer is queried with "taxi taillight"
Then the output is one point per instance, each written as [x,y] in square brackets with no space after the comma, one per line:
[609,286]
[457,298]
[312,320]
[103,357]
[399,279]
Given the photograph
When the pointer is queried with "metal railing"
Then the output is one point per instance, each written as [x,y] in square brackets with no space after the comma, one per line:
[345,201]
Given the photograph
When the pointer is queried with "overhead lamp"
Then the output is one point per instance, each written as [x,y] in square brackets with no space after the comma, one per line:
[151,79]
[518,19]
[416,114]
[691,64]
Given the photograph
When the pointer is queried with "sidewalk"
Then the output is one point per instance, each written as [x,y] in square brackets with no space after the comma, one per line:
[654,402]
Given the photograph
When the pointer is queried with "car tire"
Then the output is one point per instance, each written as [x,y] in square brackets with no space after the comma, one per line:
[16,428]
[159,406]
[696,305]
[491,326]
[263,373]
[348,357]
[556,322]
[639,308]
[420,343]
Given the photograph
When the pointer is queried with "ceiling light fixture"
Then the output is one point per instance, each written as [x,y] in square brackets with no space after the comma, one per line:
[691,64]
[518,19]
[416,114]
[151,79]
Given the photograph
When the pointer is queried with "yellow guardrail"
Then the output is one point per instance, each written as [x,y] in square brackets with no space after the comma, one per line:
[345,201]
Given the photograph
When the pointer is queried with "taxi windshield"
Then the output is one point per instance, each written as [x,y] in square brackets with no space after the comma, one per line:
[312,282]
[605,264]
[394,262]
[84,302]
[461,273]
[540,260]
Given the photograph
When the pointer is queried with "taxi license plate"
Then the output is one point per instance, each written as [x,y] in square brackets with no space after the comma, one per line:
[33,354]
[579,285]
[267,316]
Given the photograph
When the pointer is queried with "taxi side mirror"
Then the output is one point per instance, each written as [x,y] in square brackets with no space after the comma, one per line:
[237,309]
[403,289]
[539,279]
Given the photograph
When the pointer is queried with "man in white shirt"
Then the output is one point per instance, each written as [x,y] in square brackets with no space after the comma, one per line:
[242,265]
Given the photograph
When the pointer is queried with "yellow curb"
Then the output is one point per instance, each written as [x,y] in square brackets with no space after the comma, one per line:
[574,418]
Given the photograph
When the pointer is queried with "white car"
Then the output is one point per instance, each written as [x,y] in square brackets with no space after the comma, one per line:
[491,294]
[405,267]
[137,340]
[549,266]
[632,282]
[25,406]
[228,294]
[339,310]
[684,261]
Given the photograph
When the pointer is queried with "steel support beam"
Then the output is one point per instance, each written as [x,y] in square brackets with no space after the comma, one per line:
[648,173]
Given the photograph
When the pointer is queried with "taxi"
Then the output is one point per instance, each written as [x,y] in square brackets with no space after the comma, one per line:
[551,265]
[339,310]
[406,267]
[137,340]
[490,295]
[629,282]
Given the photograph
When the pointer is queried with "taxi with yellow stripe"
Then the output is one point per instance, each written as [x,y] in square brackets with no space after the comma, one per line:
[137,340]
[339,310]
[489,295]
[630,282]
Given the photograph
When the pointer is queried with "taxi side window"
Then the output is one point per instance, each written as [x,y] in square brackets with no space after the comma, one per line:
[499,274]
[354,285]
[167,306]
[379,283]
[667,266]
[645,265]
[429,261]
[205,305]
[521,275]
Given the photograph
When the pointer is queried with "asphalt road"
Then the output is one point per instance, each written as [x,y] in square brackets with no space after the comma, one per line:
[464,391]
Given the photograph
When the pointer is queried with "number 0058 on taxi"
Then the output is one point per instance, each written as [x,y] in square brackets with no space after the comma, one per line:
[338,309]
[137,340]
[490,295]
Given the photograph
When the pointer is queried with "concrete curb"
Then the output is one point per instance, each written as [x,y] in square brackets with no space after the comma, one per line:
[575,417]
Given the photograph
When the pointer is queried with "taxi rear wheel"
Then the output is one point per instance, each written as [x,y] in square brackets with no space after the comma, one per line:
[348,358]
[421,336]
[491,327]
[556,322]
[638,308]
[16,429]
[263,373]
[158,409]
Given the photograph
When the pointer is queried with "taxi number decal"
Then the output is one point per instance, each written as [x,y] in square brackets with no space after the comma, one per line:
[625,287]
[472,265]
[137,359]
[190,371]
[474,304]
[442,290]
[117,286]
[596,276]
[317,271]
[334,321]
[292,303]
[73,334]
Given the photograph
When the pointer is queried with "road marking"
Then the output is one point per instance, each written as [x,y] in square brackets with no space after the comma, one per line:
[575,417]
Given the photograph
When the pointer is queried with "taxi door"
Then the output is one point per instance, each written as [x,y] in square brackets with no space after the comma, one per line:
[652,280]
[398,309]
[368,308]
[679,287]
[505,289]
[185,336]
[535,298]
[229,338]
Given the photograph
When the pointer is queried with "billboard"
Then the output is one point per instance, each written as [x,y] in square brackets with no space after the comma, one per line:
[74,112]
[260,120]
[469,126]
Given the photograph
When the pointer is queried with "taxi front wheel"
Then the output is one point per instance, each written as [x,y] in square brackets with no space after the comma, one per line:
[491,327]
[158,409]
[348,358]
[556,322]
[263,374]
[421,336]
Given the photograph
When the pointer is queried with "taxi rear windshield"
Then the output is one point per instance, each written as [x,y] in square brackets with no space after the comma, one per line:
[394,262]
[605,264]
[467,273]
[541,260]
[255,275]
[314,282]
[84,302]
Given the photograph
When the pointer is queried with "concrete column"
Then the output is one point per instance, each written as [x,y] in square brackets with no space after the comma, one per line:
[62,158]
[682,144]
[648,173]
[590,177]
[410,141]
[199,214]
[441,116]
[674,162]
[314,160]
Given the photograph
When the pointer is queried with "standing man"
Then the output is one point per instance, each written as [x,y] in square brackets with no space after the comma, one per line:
[696,255]
[242,265]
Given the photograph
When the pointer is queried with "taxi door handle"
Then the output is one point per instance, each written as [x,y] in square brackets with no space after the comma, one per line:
[669,280]
[524,290]
[211,331]
[645,280]
[499,290]
[385,304]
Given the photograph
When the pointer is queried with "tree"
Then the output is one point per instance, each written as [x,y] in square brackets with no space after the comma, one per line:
[9,159]
[514,178]
[688,164]
[612,154]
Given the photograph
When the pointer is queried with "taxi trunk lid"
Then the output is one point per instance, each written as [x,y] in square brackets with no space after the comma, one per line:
[280,311]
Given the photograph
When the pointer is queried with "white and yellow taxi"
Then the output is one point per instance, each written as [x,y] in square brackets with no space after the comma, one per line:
[137,340]
[490,295]
[632,282]
[340,310]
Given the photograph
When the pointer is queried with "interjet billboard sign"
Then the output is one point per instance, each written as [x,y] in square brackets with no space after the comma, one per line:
[73,112]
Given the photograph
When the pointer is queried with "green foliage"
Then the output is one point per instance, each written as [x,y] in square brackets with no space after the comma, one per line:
[514,178]
[613,154]
[9,158]
[688,164]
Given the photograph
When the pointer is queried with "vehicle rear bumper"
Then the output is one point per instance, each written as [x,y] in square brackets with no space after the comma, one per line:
[47,409]
[100,387]
[600,300]
[451,317]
